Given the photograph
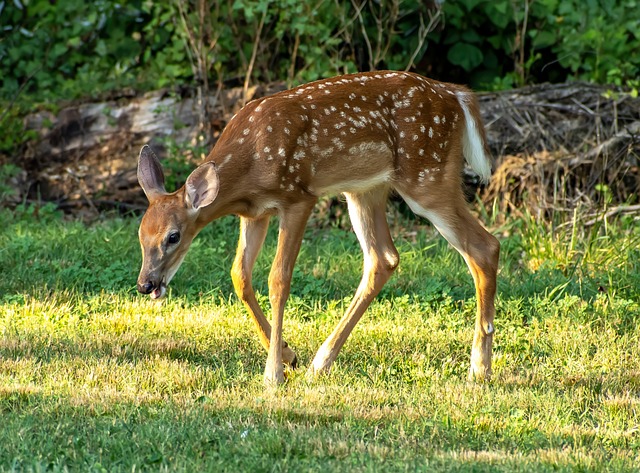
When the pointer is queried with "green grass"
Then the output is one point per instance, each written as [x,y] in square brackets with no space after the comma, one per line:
[94,377]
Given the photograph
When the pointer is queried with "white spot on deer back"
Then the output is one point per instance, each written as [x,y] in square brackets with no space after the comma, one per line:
[369,147]
[338,143]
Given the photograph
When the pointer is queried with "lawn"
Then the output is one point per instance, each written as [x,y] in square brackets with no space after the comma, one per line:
[94,377]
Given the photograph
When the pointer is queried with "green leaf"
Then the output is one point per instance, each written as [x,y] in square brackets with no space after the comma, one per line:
[543,39]
[499,14]
[465,55]
[58,50]
[471,36]
[501,7]
[101,48]
[471,4]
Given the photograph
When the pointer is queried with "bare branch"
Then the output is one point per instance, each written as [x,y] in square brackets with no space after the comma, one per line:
[256,43]
[364,32]
[434,19]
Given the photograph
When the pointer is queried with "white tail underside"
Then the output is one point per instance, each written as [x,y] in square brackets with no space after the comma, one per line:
[472,146]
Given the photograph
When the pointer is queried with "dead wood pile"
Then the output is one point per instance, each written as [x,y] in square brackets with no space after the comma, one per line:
[563,146]
[556,146]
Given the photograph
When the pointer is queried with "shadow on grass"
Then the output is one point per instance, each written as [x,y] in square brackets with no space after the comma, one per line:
[137,348]
[61,433]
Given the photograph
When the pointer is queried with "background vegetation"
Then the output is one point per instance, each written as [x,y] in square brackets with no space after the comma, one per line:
[95,378]
[72,48]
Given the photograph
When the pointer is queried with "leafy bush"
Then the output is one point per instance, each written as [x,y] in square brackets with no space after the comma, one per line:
[598,41]
[506,43]
[68,49]
[51,50]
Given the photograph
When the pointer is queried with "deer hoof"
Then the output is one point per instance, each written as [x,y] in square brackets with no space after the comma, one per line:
[272,380]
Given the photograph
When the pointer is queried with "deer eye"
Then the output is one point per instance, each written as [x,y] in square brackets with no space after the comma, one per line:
[173,238]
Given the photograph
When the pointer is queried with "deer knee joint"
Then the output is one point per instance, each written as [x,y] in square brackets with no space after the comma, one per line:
[391,259]
[385,262]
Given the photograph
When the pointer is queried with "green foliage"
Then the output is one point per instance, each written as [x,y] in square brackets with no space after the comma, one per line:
[70,49]
[593,41]
[181,161]
[7,172]
[598,41]
[13,133]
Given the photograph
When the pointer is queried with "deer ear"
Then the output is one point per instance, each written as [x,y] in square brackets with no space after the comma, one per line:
[202,186]
[150,175]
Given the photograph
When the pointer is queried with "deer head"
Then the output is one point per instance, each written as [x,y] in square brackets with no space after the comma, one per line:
[170,223]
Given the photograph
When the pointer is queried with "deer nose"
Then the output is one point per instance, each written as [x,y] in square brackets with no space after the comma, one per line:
[145,288]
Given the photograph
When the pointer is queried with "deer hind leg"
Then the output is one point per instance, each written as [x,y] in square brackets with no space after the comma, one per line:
[481,252]
[292,224]
[252,235]
[367,213]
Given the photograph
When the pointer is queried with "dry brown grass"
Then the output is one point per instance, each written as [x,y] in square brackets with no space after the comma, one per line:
[563,146]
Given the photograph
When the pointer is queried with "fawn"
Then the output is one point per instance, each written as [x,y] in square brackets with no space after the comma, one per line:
[362,135]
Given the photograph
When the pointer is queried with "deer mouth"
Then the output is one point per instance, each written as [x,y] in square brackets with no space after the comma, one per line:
[160,291]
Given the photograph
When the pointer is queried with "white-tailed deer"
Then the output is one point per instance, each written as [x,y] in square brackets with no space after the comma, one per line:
[362,135]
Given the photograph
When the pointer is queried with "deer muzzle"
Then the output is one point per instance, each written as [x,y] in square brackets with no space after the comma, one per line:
[155,289]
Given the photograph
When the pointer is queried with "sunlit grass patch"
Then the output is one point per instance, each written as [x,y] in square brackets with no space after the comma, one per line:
[94,376]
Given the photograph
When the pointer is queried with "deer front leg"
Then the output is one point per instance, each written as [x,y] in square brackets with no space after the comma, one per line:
[252,235]
[292,224]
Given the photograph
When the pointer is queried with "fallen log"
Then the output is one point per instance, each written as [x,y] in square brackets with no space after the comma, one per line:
[584,133]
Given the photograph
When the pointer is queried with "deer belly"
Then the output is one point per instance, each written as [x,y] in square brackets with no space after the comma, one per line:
[357,168]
